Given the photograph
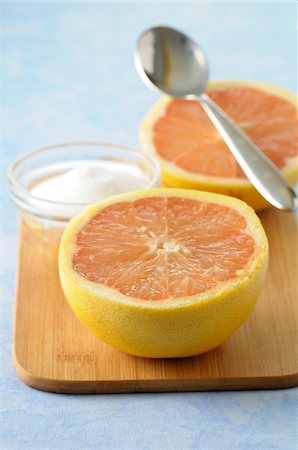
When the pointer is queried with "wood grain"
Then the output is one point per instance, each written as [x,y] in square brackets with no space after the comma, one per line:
[54,352]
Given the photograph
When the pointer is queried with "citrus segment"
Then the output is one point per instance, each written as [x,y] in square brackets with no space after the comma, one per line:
[192,153]
[164,272]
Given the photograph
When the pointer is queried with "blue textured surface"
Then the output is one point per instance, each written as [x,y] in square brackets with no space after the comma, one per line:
[67,73]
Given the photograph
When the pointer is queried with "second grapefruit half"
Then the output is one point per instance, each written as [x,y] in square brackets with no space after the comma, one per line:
[193,155]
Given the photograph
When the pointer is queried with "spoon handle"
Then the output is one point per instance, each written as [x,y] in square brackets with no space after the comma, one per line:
[263,174]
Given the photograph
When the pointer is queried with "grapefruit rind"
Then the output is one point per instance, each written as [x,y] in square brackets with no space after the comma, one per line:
[175,176]
[165,328]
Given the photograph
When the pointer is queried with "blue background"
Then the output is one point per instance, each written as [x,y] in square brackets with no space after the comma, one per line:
[67,73]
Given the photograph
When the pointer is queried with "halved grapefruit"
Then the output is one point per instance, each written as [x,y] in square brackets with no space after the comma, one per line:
[164,272]
[193,155]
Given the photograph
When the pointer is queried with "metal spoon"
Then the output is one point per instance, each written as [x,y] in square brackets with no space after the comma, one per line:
[171,62]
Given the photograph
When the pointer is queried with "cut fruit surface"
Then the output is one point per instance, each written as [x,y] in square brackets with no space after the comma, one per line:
[192,153]
[164,272]
[162,248]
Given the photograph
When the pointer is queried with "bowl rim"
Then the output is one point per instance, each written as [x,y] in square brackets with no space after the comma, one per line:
[24,194]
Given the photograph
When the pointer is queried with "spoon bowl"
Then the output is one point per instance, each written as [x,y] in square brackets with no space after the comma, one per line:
[171,62]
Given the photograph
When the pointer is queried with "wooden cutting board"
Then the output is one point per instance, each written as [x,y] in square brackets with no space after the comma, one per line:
[54,352]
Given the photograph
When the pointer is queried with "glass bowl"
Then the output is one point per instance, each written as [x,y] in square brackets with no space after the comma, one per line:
[47,216]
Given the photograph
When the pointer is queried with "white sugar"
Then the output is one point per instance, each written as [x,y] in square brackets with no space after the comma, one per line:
[87,185]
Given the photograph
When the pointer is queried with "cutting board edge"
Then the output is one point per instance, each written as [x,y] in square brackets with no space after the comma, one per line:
[161,385]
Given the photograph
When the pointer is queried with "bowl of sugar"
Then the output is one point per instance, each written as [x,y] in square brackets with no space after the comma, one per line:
[52,184]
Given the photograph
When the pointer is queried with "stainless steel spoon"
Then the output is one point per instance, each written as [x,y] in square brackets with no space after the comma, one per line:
[169,61]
